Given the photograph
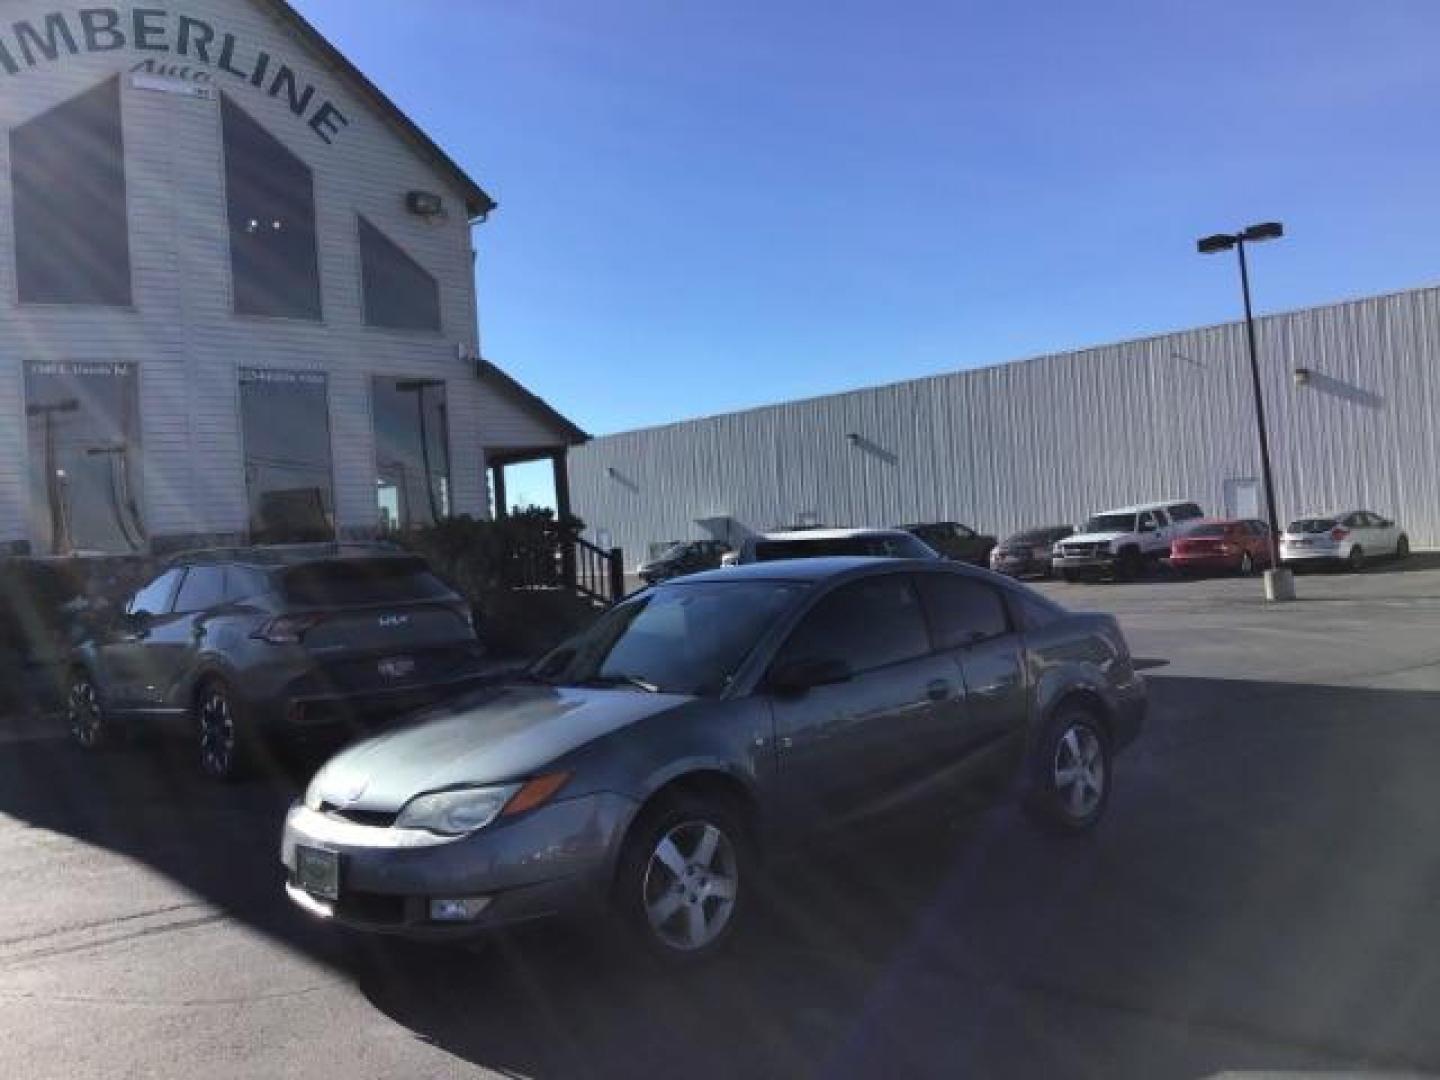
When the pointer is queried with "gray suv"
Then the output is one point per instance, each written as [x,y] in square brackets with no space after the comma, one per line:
[231,646]
[647,765]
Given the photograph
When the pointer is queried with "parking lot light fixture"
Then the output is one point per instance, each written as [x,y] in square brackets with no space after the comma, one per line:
[1279,582]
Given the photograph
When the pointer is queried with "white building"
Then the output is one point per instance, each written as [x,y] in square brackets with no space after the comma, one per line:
[236,290]
[1352,392]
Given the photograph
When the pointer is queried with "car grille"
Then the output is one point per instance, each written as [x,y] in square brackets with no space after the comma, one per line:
[1085,551]
[374,819]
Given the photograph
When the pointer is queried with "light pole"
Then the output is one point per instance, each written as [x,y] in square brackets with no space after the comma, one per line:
[1279,583]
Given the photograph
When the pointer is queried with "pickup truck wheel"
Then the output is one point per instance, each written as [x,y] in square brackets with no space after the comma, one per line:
[1130,565]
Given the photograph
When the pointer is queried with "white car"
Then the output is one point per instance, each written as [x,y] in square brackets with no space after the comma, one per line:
[1122,542]
[820,543]
[1350,538]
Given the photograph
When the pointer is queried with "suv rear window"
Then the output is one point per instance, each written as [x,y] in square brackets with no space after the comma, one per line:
[1312,525]
[362,581]
[1185,512]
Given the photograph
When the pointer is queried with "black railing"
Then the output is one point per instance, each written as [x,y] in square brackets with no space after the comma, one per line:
[590,571]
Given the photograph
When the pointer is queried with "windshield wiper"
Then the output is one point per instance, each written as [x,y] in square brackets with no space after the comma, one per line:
[637,681]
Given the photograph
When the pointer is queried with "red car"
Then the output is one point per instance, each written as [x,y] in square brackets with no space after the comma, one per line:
[1234,547]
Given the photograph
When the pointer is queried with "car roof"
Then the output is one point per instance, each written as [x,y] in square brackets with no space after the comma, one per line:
[1142,507]
[831,534]
[828,567]
[289,554]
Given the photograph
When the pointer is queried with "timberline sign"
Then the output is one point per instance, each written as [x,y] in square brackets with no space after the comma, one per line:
[185,40]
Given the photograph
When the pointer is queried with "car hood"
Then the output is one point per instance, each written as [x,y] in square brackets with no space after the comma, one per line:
[1094,538]
[504,735]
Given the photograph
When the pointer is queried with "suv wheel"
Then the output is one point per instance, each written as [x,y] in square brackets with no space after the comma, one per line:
[88,724]
[683,879]
[1070,772]
[219,729]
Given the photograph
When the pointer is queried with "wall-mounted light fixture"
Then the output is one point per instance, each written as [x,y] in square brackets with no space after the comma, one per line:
[1303,375]
[424,204]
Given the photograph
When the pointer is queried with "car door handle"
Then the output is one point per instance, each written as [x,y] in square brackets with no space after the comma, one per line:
[939,690]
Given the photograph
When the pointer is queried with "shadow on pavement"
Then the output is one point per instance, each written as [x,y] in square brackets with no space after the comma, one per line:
[1261,896]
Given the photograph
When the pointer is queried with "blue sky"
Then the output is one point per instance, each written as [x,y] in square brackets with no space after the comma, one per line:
[710,206]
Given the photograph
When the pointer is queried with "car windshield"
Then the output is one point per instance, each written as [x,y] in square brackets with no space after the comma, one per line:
[1110,523]
[683,638]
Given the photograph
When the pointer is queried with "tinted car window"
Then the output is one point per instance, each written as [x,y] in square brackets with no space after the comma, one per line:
[204,588]
[1185,512]
[962,611]
[362,581]
[154,598]
[866,624]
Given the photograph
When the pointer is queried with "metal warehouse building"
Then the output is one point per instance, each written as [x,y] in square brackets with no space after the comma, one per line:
[236,290]
[1352,389]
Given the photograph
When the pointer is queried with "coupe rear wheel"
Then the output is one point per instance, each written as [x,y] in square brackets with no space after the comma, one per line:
[88,725]
[219,727]
[1356,562]
[683,879]
[1070,773]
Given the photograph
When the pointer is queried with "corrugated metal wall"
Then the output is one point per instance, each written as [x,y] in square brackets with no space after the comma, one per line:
[1054,438]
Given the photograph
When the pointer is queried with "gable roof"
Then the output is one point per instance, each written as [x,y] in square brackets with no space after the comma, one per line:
[536,406]
[477,203]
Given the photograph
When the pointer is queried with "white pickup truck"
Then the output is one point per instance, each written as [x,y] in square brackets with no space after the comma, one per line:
[1124,542]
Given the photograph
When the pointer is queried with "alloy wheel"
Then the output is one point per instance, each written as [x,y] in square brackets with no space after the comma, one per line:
[217,734]
[1079,772]
[87,724]
[690,886]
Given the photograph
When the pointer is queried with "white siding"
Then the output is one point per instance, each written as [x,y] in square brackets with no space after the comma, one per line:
[1051,439]
[183,332]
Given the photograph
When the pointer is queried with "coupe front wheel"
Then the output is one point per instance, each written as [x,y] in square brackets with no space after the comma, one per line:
[683,880]
[88,724]
[1070,773]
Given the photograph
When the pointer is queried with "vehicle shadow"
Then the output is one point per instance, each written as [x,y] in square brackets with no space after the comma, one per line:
[1259,897]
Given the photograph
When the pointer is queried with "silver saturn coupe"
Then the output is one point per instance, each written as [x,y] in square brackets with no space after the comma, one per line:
[647,768]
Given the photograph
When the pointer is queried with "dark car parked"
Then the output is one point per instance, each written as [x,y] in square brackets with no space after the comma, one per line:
[955,541]
[1030,553]
[682,559]
[234,645]
[648,763]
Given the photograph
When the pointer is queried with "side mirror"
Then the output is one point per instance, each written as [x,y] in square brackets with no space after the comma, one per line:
[801,676]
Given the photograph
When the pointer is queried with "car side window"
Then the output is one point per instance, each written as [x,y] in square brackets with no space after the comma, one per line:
[1146,522]
[961,610]
[1185,512]
[1160,518]
[964,533]
[1353,521]
[204,588]
[866,624]
[154,599]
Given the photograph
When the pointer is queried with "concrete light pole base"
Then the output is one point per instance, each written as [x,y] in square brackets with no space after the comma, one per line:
[1279,585]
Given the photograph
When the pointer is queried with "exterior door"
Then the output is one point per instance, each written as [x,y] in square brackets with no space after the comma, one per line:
[845,748]
[971,625]
[1242,499]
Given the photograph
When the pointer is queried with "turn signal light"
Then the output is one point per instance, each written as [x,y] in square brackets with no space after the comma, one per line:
[535,793]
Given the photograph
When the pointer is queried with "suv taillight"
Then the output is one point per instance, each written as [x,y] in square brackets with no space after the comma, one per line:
[288,629]
[1337,534]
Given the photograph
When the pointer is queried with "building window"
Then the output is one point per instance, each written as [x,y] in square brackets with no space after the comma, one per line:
[412,455]
[285,421]
[400,294]
[271,198]
[84,448]
[72,239]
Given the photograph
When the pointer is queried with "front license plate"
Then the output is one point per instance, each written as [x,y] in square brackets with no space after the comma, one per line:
[318,872]
[397,667]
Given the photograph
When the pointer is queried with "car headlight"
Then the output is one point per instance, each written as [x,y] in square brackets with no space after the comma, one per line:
[456,813]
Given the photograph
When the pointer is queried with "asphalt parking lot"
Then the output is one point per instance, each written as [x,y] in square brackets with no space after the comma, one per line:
[1262,897]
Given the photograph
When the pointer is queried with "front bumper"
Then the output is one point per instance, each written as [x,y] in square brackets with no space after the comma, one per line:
[553,861]
[1084,562]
